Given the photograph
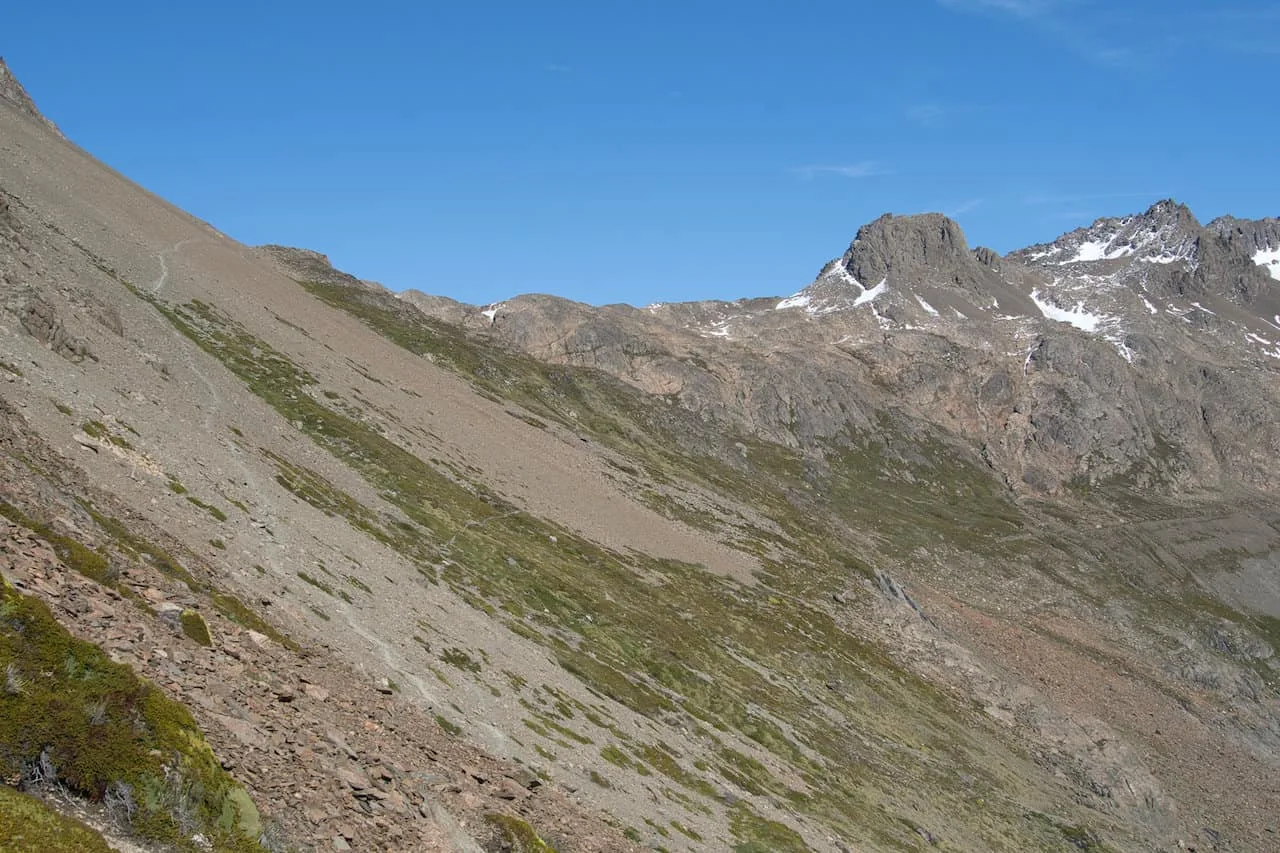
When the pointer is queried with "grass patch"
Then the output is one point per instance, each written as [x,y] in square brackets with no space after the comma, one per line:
[78,557]
[448,725]
[758,835]
[459,659]
[218,514]
[28,824]
[316,582]
[516,835]
[99,430]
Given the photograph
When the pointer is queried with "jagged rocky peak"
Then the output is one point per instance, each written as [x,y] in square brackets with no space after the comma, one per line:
[899,247]
[14,92]
[909,270]
[1258,238]
[1167,233]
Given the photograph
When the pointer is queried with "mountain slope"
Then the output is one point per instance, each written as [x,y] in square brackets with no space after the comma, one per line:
[947,549]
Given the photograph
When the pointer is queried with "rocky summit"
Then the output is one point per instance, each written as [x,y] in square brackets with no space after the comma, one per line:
[944,550]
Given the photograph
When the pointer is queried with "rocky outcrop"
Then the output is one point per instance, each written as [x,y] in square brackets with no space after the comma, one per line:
[1253,234]
[40,320]
[13,92]
[311,266]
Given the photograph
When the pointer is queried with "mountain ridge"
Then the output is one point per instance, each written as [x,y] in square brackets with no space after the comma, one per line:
[837,573]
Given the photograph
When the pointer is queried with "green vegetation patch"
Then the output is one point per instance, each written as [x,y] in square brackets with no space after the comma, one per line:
[196,629]
[97,429]
[28,824]
[515,835]
[218,514]
[70,715]
[756,834]
[448,725]
[459,659]
[88,562]
[316,582]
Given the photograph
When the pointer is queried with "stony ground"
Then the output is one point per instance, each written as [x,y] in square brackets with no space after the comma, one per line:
[332,762]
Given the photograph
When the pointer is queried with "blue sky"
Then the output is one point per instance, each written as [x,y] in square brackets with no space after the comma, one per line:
[657,151]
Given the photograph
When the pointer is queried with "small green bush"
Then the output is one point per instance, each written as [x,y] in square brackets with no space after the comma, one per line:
[71,715]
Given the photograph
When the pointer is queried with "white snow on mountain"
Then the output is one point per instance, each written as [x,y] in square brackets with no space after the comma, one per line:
[1269,259]
[1099,250]
[870,295]
[796,300]
[1083,320]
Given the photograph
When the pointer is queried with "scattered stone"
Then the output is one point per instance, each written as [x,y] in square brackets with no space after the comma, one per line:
[354,779]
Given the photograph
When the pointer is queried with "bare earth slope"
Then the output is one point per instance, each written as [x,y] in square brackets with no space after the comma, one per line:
[982,556]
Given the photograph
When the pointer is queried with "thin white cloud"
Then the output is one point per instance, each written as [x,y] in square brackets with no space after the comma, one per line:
[863,169]
[1091,36]
[964,207]
[927,114]
[1019,8]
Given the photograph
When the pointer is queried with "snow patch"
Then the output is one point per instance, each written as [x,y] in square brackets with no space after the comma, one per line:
[872,294]
[1166,258]
[1098,250]
[1077,316]
[928,309]
[1270,260]
[798,300]
[1147,302]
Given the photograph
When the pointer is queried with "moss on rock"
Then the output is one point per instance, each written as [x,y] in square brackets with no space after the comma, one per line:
[196,629]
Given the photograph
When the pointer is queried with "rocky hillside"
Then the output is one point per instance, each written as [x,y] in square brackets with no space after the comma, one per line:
[947,550]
